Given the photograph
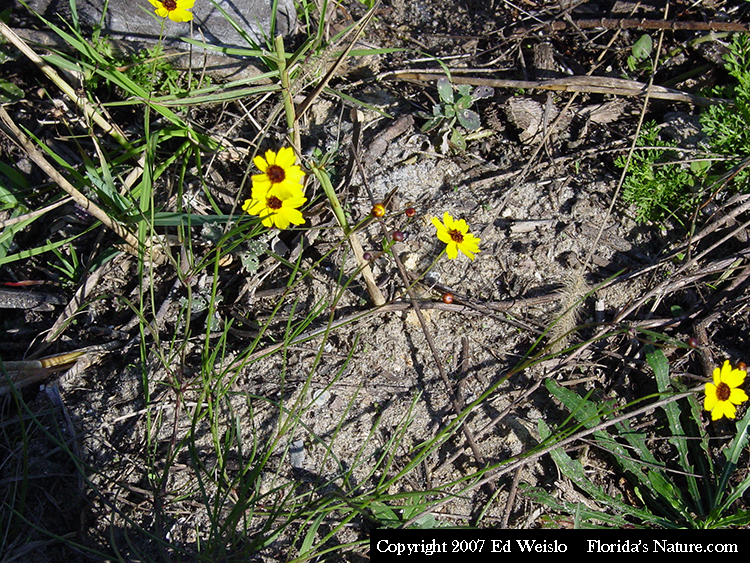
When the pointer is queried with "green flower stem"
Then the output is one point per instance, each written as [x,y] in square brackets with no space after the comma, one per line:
[372,287]
[325,182]
[286,94]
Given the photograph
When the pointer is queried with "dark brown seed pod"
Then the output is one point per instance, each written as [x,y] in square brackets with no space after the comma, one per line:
[410,212]
[398,236]
[447,298]
[692,342]
[378,210]
[367,256]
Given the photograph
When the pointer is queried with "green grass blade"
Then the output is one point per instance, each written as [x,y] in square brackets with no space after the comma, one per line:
[658,362]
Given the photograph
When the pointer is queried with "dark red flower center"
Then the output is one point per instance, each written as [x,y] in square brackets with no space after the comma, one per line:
[169,4]
[723,391]
[273,202]
[456,236]
[276,174]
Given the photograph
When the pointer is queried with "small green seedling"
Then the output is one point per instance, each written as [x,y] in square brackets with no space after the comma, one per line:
[453,113]
[640,53]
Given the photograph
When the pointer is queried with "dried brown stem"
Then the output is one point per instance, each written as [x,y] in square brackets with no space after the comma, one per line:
[14,133]
[590,84]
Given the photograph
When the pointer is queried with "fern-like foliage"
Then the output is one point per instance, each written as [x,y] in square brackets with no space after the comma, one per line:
[657,184]
[661,183]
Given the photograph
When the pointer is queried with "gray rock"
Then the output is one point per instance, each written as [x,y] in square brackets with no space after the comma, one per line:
[135,20]
[133,24]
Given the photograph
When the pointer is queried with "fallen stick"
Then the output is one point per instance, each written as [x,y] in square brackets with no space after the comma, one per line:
[590,84]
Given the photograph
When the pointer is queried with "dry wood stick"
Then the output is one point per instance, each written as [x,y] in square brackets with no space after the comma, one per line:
[634,23]
[590,84]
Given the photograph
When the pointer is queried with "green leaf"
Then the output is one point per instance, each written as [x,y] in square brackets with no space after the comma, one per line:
[430,124]
[668,492]
[574,471]
[458,140]
[658,362]
[17,179]
[464,102]
[700,167]
[445,90]
[469,119]
[585,411]
[464,90]
[642,48]
[732,454]
[309,540]
[9,92]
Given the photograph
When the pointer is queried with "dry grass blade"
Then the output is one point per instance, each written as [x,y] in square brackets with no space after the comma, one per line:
[27,372]
[89,110]
[18,136]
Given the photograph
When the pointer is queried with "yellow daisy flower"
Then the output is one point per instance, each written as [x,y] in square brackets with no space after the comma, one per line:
[176,10]
[723,394]
[278,170]
[457,236]
[277,205]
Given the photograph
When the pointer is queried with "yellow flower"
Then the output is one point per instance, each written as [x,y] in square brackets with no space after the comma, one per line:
[277,205]
[457,236]
[279,170]
[723,394]
[177,10]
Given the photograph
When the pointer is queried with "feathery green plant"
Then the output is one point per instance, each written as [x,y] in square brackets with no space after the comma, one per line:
[657,184]
[661,183]
[728,126]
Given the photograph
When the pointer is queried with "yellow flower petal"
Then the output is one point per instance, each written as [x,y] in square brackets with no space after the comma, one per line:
[711,399]
[286,157]
[726,382]
[271,157]
[176,10]
[452,251]
[724,408]
[439,226]
[294,174]
[455,234]
[717,376]
[261,163]
[738,396]
[734,378]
